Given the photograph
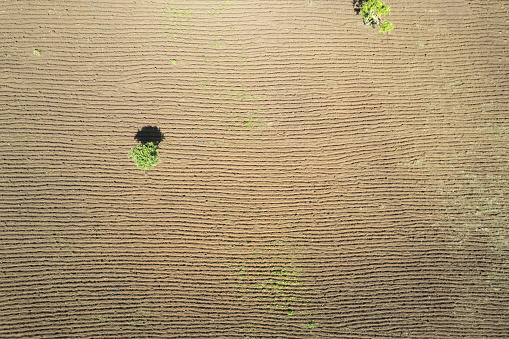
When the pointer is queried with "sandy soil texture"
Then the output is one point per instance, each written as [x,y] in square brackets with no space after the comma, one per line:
[318,179]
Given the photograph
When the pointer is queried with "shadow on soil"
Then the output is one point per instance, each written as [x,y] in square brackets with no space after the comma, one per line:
[148,134]
[357,4]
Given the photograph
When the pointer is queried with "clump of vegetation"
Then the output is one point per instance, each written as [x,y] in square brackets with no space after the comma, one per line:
[372,11]
[145,155]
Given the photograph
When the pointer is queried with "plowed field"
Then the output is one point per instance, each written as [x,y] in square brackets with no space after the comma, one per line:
[318,179]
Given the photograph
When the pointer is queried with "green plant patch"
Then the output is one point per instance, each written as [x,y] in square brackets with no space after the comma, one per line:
[145,156]
[372,11]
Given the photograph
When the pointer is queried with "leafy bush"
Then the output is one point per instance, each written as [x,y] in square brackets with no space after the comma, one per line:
[386,26]
[372,11]
[145,156]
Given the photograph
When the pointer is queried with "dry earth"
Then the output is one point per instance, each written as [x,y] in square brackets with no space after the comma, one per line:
[318,180]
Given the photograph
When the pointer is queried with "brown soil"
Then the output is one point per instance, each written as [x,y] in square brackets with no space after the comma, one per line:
[317,180]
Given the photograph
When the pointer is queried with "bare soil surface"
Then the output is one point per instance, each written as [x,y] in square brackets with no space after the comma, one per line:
[318,179]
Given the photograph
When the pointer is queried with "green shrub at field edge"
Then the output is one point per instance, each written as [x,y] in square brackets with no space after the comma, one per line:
[372,11]
[145,156]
